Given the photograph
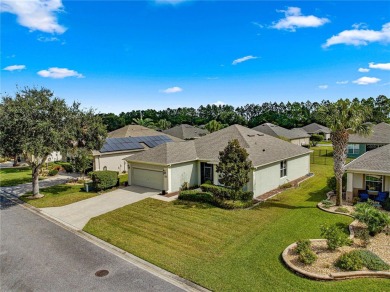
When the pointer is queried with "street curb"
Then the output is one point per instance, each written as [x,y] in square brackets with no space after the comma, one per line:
[169,277]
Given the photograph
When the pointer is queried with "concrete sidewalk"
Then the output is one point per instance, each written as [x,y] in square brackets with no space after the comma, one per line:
[78,214]
[20,190]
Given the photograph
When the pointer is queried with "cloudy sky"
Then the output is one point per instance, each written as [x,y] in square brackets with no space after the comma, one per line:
[124,55]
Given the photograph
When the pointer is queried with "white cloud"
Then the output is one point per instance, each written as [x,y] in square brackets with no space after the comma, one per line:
[36,14]
[381,66]
[363,70]
[360,36]
[48,39]
[15,68]
[59,73]
[366,80]
[342,82]
[258,24]
[294,19]
[323,86]
[174,89]
[243,59]
[219,103]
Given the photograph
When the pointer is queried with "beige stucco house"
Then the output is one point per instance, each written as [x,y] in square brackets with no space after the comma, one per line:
[168,166]
[295,136]
[124,142]
[370,172]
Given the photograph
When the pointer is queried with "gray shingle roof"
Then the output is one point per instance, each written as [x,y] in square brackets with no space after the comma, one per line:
[377,160]
[137,131]
[277,131]
[380,135]
[262,149]
[186,132]
[315,128]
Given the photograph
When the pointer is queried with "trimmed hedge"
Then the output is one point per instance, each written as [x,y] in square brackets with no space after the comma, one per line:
[229,204]
[223,193]
[195,196]
[67,166]
[104,179]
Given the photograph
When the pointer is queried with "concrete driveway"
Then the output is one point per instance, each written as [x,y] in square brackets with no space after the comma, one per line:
[77,215]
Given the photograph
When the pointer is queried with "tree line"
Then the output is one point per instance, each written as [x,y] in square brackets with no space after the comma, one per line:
[288,115]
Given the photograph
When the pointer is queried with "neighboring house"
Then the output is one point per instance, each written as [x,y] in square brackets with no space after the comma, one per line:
[315,128]
[357,145]
[186,132]
[295,136]
[370,171]
[167,167]
[54,156]
[124,142]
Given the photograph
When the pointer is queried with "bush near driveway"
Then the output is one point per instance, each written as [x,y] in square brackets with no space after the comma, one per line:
[104,179]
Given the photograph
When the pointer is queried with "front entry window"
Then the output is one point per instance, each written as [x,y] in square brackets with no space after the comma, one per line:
[374,182]
[206,172]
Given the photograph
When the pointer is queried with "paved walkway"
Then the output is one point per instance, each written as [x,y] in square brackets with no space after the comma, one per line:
[20,190]
[78,214]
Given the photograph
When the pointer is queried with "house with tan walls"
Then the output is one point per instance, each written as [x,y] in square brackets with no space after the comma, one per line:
[168,166]
[124,142]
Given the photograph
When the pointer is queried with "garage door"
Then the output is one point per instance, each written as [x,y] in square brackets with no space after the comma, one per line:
[147,178]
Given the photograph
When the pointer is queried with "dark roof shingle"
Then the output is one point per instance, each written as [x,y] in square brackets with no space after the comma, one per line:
[377,160]
[380,135]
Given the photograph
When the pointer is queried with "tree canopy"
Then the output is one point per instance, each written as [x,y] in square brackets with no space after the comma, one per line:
[43,123]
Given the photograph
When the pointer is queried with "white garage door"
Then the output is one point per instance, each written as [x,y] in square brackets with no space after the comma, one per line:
[147,178]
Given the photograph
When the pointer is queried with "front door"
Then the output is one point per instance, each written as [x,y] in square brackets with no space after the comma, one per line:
[206,172]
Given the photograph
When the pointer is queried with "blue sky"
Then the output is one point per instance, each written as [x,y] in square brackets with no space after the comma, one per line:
[123,55]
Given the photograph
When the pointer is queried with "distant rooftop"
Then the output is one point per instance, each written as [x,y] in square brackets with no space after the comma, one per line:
[315,128]
[380,135]
[278,132]
[186,132]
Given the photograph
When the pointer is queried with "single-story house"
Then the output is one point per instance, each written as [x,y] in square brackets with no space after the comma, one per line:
[357,145]
[167,167]
[186,132]
[124,142]
[370,172]
[315,128]
[295,136]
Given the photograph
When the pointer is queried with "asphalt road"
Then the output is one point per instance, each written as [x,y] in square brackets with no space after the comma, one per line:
[38,255]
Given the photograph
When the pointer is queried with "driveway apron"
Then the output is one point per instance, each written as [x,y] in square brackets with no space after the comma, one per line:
[78,214]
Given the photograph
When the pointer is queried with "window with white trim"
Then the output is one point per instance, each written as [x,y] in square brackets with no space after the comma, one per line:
[283,168]
[353,148]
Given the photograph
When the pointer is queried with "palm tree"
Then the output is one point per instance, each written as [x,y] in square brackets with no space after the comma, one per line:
[343,117]
[213,126]
[144,122]
[163,124]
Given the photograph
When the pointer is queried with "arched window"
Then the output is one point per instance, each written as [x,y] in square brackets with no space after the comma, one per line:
[105,168]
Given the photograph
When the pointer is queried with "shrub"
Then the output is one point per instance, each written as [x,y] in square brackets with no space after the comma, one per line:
[230,204]
[184,186]
[350,261]
[386,204]
[372,262]
[286,186]
[363,234]
[331,183]
[302,245]
[307,257]
[342,210]
[355,200]
[67,166]
[327,203]
[245,196]
[375,220]
[104,179]
[334,236]
[196,196]
[53,172]
[218,192]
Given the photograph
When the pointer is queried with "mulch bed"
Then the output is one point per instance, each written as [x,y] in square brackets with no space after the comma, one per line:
[294,184]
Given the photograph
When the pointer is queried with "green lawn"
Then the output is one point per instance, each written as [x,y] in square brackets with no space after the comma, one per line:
[229,250]
[15,176]
[59,195]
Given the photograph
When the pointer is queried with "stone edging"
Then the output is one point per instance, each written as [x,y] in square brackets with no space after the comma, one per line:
[332,276]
